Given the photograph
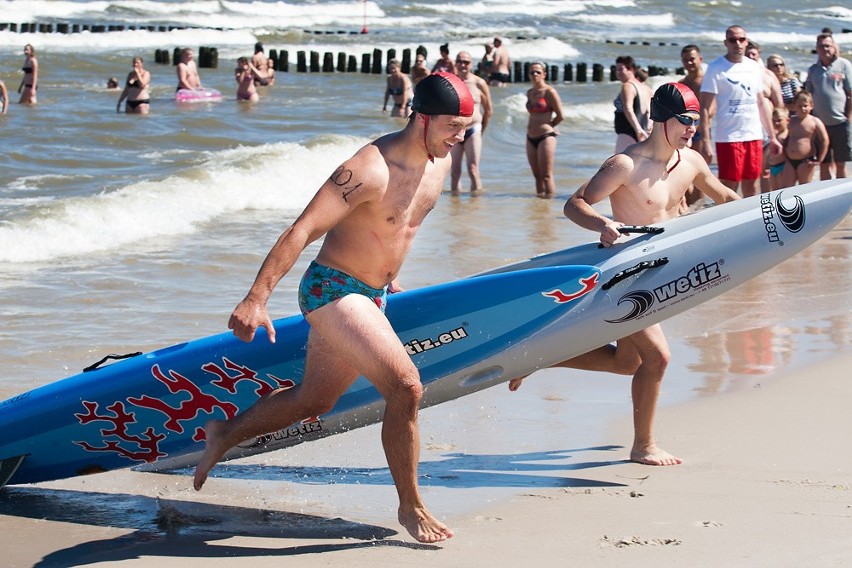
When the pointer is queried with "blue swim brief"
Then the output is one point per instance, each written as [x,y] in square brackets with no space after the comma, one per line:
[776,169]
[322,285]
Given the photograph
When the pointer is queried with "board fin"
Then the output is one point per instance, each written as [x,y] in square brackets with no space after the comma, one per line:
[8,467]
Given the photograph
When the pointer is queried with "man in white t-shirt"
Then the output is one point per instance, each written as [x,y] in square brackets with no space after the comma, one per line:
[732,91]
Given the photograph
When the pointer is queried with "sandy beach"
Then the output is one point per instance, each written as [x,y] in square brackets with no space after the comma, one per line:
[766,482]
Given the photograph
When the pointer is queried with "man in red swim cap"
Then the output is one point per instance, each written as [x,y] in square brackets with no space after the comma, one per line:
[369,210]
[645,185]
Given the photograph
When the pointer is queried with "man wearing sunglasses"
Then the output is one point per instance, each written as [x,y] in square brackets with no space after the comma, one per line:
[733,92]
[645,185]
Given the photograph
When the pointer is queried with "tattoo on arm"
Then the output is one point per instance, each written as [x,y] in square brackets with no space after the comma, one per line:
[343,178]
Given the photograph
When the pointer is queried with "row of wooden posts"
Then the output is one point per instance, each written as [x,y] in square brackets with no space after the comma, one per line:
[309,62]
[68,28]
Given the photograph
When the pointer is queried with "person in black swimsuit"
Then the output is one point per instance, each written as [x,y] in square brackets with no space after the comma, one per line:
[399,87]
[136,90]
[29,84]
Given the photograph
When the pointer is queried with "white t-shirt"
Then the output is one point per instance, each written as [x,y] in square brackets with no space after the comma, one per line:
[739,90]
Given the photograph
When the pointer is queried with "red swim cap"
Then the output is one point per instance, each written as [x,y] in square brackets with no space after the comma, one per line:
[443,93]
[671,99]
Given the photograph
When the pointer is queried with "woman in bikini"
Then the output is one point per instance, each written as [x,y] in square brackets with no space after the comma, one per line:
[399,87]
[136,90]
[245,75]
[29,84]
[545,108]
[632,105]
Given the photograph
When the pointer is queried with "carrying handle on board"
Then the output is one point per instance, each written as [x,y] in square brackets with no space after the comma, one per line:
[94,366]
[648,229]
[627,272]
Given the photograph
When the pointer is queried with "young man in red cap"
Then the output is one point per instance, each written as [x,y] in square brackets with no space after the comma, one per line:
[645,185]
[369,210]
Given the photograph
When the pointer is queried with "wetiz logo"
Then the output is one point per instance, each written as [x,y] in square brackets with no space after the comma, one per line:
[791,218]
[641,301]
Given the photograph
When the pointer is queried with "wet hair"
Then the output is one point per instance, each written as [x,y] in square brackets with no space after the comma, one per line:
[691,47]
[242,60]
[258,47]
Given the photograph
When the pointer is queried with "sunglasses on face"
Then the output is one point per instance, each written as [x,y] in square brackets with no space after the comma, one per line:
[687,121]
[736,39]
[463,62]
[536,72]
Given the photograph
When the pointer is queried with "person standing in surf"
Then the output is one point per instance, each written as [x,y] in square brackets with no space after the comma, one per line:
[470,149]
[369,210]
[187,72]
[645,185]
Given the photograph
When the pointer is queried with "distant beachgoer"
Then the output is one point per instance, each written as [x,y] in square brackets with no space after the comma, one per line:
[790,84]
[246,74]
[444,63]
[771,84]
[112,83]
[29,84]
[733,90]
[830,82]
[501,65]
[419,71]
[4,95]
[693,65]
[486,64]
[265,75]
[187,71]
[399,87]
[136,90]
[545,112]
[632,105]
[807,143]
[778,176]
[469,150]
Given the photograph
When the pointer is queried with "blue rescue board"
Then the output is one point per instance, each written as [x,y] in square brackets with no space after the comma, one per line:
[151,409]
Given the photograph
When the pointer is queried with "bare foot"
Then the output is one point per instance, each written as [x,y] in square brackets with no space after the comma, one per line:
[652,455]
[423,526]
[213,452]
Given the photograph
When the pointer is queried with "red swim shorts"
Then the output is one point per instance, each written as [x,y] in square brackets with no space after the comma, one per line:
[739,160]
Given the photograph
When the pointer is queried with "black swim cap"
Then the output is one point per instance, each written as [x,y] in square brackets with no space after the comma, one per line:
[442,93]
[671,99]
